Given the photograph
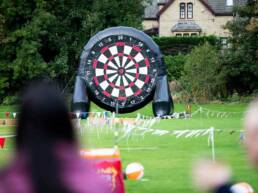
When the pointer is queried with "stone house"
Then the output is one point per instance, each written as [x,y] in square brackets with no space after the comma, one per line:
[188,17]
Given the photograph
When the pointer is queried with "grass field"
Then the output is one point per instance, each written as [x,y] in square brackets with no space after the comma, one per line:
[167,159]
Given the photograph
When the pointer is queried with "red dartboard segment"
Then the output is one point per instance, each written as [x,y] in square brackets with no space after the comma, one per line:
[147,62]
[137,75]
[131,84]
[111,58]
[137,92]
[121,87]
[137,48]
[95,62]
[130,57]
[106,93]
[104,49]
[96,80]
[105,66]
[120,43]
[112,84]
[122,98]
[147,79]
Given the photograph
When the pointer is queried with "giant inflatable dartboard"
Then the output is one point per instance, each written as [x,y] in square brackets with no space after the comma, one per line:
[120,69]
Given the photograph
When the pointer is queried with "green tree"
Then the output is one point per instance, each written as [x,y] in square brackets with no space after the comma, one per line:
[202,77]
[240,60]
[109,13]
[44,38]
[175,66]
[41,38]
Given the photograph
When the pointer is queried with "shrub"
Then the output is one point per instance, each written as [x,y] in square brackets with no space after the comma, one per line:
[175,66]
[3,85]
[10,100]
[183,45]
[202,77]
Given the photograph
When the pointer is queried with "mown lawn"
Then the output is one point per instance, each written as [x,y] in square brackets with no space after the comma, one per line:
[167,159]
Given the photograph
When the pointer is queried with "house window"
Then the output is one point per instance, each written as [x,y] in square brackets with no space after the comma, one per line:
[186,34]
[193,34]
[230,3]
[182,10]
[178,35]
[189,10]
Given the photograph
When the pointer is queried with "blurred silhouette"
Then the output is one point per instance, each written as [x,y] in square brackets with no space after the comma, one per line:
[47,158]
[210,176]
[251,132]
[215,176]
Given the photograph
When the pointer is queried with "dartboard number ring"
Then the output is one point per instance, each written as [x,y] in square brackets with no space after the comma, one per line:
[122,70]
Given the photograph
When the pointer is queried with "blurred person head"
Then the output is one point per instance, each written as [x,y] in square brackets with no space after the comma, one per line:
[43,122]
[251,132]
[209,175]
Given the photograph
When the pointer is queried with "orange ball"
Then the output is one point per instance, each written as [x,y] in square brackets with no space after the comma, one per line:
[134,171]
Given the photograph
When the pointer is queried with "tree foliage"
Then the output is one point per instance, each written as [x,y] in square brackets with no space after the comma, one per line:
[183,45]
[240,61]
[175,66]
[202,77]
[41,38]
[110,13]
[44,38]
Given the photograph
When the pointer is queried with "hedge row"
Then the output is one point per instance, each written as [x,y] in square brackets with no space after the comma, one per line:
[183,45]
[175,66]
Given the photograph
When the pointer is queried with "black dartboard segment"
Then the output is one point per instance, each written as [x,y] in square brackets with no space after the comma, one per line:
[120,70]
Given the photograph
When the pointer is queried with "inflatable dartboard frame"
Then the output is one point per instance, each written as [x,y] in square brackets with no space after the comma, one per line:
[122,69]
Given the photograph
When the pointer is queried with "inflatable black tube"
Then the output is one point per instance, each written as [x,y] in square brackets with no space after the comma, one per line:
[162,102]
[121,67]
[80,102]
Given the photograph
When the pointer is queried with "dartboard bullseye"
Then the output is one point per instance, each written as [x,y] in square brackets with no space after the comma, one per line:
[121,67]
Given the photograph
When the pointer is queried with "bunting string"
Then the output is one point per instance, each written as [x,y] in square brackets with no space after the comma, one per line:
[176,115]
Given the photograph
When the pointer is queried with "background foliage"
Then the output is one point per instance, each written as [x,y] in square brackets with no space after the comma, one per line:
[175,66]
[183,45]
[202,76]
[240,60]
[214,71]
[44,38]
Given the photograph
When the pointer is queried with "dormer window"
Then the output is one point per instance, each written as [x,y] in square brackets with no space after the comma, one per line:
[189,11]
[182,10]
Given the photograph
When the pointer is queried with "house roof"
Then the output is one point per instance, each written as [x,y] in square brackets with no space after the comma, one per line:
[216,7]
[152,8]
[219,6]
[162,2]
[185,26]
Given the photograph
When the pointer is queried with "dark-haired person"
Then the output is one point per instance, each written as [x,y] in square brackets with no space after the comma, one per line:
[47,159]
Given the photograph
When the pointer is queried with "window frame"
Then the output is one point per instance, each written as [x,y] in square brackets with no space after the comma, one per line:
[189,4]
[182,10]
